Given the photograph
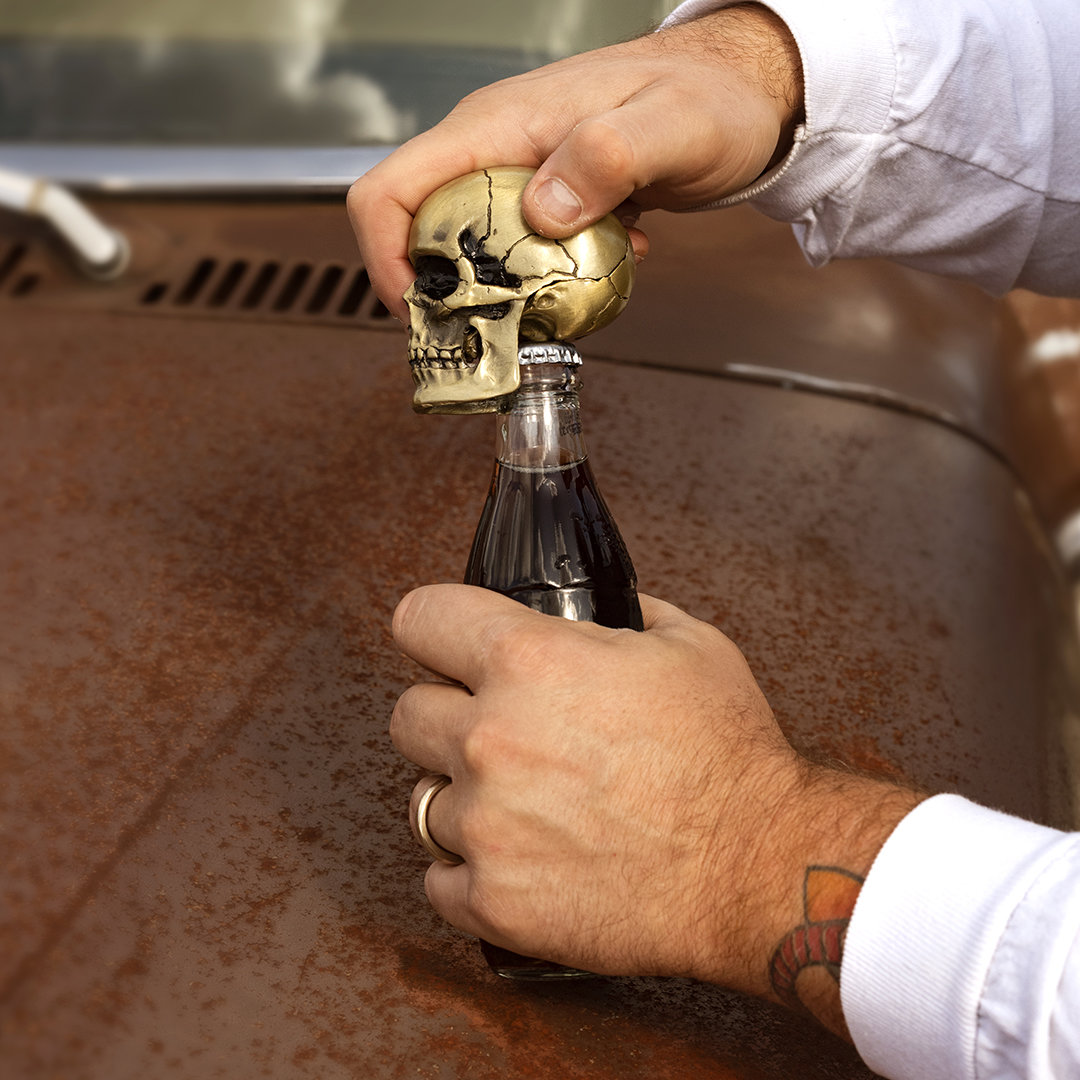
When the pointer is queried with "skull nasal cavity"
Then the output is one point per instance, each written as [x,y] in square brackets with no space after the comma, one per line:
[436,277]
[489,269]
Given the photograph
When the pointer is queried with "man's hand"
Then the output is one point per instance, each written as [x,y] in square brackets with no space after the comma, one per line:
[671,120]
[624,802]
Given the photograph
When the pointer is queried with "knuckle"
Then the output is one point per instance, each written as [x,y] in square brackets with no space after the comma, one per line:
[404,712]
[483,748]
[515,647]
[603,149]
[355,199]
[405,613]
[364,195]
[490,909]
[475,112]
[435,894]
[475,99]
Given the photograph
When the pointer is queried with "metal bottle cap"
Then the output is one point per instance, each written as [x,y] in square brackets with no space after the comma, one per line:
[549,352]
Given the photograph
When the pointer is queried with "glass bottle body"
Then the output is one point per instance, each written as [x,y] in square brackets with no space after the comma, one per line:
[547,539]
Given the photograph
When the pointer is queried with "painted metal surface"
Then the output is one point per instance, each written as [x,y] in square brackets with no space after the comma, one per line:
[186,169]
[207,520]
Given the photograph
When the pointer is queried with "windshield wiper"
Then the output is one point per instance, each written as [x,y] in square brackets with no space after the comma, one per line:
[100,252]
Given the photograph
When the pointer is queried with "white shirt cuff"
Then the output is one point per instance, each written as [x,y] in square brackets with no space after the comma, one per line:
[848,75]
[926,926]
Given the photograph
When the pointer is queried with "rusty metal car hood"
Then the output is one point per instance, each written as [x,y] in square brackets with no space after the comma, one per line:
[213,499]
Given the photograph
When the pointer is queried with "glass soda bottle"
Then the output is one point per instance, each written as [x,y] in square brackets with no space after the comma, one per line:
[546,537]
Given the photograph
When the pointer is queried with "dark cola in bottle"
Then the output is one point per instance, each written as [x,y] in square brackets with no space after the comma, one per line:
[546,537]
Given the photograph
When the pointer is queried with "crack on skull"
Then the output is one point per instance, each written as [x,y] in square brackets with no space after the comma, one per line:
[609,277]
[615,299]
[489,269]
[615,269]
[490,204]
[470,311]
[562,247]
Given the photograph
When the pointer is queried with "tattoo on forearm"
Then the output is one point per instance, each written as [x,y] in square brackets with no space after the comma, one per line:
[829,895]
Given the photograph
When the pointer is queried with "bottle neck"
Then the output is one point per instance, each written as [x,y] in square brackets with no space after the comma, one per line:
[540,425]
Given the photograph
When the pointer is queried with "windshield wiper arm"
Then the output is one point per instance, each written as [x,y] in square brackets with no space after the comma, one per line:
[100,252]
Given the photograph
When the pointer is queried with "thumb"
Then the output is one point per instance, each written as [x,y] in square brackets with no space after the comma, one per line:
[591,172]
[648,152]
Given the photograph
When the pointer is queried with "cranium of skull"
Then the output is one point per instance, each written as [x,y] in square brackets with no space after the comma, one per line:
[485,282]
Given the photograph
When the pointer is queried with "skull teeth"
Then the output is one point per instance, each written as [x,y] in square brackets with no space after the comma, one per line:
[431,357]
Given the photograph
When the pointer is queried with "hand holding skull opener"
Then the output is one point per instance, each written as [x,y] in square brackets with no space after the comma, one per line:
[486,282]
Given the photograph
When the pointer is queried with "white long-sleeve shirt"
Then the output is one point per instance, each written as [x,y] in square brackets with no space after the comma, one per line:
[946,134]
[962,959]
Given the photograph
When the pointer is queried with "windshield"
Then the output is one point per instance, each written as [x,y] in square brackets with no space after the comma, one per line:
[274,72]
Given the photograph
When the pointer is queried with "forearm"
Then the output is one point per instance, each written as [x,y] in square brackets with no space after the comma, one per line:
[804,880]
[752,40]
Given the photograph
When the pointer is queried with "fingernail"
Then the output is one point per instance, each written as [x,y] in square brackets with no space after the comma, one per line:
[558,201]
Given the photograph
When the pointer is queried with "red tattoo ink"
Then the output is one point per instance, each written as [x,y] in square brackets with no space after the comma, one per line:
[829,895]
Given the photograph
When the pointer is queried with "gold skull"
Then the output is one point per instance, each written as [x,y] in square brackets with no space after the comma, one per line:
[485,282]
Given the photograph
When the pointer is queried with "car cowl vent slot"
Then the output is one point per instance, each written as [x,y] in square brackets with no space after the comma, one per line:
[16,279]
[268,288]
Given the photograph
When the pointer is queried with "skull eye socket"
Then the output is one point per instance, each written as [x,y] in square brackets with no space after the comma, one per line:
[436,277]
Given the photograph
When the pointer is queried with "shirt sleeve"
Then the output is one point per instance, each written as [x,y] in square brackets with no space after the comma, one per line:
[944,134]
[962,958]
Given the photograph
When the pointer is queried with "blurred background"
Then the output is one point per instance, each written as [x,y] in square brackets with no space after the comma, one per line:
[312,72]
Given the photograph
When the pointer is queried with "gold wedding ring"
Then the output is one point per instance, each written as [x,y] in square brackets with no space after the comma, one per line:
[423,793]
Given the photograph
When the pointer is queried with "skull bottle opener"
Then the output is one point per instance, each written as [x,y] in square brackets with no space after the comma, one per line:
[486,282]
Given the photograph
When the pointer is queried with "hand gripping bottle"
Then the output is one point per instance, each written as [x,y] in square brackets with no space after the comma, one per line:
[546,538]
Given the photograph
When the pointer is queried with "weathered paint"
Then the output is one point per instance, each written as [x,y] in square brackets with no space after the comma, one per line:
[206,524]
